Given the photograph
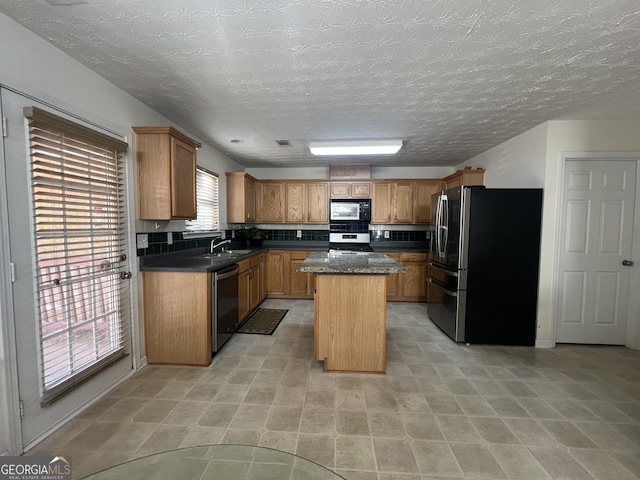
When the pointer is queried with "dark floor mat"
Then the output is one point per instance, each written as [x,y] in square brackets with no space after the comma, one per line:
[263,321]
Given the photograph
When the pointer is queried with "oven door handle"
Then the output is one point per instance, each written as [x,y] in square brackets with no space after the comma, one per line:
[444,270]
[451,293]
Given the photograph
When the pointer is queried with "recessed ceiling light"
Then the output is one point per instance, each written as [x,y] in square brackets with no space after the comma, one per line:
[356,147]
[235,140]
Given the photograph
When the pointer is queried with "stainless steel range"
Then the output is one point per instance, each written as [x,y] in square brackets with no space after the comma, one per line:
[355,242]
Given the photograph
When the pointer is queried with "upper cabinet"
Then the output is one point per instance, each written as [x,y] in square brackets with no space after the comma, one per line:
[402,202]
[307,201]
[351,189]
[318,202]
[241,198]
[166,164]
[296,202]
[270,201]
[422,191]
[467,176]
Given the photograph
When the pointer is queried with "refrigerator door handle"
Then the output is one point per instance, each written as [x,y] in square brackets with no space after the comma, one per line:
[444,225]
[451,293]
[444,270]
[438,207]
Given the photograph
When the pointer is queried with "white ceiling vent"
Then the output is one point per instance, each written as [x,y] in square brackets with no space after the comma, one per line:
[283,143]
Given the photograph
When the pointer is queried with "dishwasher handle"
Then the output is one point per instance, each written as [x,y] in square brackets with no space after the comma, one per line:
[227,272]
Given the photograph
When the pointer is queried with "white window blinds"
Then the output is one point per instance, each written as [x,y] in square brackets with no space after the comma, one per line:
[207,203]
[79,228]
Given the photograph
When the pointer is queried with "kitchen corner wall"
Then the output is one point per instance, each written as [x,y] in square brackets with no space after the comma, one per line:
[534,159]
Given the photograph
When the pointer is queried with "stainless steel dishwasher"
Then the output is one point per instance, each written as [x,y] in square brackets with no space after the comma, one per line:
[224,305]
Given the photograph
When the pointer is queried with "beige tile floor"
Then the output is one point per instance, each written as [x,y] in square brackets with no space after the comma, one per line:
[442,411]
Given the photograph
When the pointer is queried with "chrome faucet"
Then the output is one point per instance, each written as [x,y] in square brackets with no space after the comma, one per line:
[214,244]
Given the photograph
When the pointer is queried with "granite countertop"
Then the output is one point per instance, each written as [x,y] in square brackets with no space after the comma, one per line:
[351,263]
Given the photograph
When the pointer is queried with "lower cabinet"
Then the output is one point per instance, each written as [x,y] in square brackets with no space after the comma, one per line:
[297,284]
[275,272]
[248,286]
[177,318]
[283,278]
[410,286]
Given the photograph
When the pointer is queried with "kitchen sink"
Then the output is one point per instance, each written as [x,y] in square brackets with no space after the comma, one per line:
[225,254]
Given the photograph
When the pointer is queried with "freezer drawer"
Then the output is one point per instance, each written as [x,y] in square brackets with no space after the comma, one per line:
[447,309]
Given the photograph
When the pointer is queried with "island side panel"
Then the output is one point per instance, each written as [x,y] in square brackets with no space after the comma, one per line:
[177,318]
[351,322]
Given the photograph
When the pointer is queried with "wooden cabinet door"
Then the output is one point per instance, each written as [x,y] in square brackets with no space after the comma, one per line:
[393,279]
[422,200]
[454,182]
[254,288]
[295,203]
[275,272]
[402,202]
[381,203]
[241,198]
[298,283]
[271,202]
[244,292]
[263,276]
[360,190]
[340,189]
[414,283]
[249,199]
[318,206]
[183,179]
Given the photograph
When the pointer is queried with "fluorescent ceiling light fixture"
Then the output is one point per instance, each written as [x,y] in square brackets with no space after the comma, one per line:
[356,147]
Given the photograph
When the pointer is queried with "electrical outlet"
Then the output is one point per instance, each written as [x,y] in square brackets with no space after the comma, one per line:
[386,234]
[142,240]
[299,234]
[233,234]
[169,238]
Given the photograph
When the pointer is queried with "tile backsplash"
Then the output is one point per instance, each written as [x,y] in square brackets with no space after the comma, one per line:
[158,241]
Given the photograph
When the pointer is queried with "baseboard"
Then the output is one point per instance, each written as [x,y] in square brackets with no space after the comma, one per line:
[545,344]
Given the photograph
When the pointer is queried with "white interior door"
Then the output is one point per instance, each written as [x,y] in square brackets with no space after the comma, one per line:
[38,418]
[595,245]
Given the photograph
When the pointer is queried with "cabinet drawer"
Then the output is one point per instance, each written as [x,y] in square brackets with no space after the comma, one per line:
[298,255]
[254,261]
[244,265]
[414,257]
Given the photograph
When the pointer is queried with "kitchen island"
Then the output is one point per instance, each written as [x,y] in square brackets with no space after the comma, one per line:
[350,309]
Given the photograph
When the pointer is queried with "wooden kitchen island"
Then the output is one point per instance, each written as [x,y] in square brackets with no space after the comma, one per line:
[350,309]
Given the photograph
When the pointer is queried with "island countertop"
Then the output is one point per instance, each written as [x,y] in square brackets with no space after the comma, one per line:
[350,263]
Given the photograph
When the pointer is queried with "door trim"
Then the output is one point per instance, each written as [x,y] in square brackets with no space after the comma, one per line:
[7,325]
[632,339]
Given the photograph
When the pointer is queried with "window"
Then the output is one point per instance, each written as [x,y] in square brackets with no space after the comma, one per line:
[207,203]
[79,229]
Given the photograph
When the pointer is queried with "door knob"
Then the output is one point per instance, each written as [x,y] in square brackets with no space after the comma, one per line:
[627,263]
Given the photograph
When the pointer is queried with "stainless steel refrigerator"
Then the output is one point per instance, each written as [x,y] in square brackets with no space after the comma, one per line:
[484,264]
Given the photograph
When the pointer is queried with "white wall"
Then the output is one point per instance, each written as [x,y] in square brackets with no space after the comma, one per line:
[323,172]
[518,162]
[31,65]
[533,159]
[581,137]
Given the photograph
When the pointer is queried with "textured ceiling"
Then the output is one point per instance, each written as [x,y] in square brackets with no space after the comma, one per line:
[451,78]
